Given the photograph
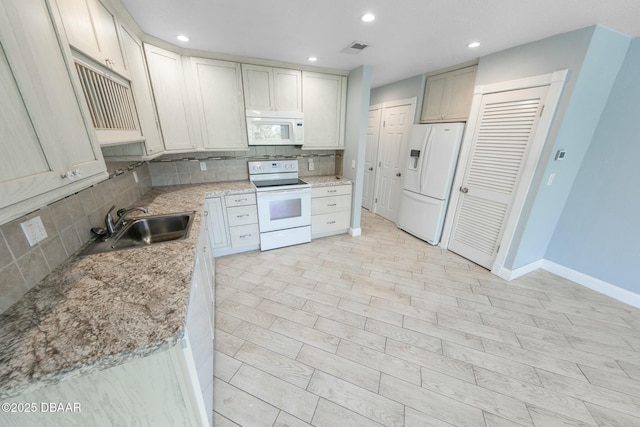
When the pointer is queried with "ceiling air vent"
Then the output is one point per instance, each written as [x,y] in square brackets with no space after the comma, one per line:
[355,48]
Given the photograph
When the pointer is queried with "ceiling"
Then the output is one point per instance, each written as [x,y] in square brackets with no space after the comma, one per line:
[407,38]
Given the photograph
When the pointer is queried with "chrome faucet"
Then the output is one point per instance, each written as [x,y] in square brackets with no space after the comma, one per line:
[113,227]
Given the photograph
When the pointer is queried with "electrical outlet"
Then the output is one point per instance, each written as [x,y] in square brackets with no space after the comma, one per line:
[353,164]
[203,166]
[34,230]
[311,165]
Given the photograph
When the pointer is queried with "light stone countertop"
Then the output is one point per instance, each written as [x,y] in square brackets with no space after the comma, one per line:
[326,180]
[101,310]
[98,311]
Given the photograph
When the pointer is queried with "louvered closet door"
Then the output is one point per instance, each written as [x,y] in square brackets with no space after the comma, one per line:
[501,142]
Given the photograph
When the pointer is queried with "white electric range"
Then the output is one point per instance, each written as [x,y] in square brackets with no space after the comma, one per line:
[284,203]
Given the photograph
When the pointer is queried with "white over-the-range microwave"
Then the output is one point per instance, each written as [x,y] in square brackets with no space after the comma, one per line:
[275,127]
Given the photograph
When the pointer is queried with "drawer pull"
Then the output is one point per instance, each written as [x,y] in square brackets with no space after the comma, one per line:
[241,200]
[243,236]
[332,191]
[242,215]
[331,222]
[332,204]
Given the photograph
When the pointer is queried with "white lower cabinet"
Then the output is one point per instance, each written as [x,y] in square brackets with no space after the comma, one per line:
[330,210]
[233,223]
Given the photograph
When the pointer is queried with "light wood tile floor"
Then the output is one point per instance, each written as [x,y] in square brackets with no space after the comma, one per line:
[386,330]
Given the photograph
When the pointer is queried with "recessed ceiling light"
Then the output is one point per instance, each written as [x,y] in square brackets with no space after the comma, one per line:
[368,17]
[312,58]
[473,44]
[183,38]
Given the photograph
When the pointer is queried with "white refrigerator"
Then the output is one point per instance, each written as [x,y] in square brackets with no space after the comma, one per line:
[431,163]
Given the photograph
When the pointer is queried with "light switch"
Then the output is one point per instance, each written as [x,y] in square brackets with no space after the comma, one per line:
[550,180]
[34,230]
[353,164]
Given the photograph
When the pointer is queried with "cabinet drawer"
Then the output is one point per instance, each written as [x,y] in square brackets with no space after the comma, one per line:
[242,215]
[244,235]
[331,190]
[331,223]
[240,199]
[323,205]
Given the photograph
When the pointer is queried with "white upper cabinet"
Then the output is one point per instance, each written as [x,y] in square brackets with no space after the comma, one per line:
[47,149]
[141,88]
[447,96]
[324,104]
[218,103]
[172,102]
[91,28]
[271,89]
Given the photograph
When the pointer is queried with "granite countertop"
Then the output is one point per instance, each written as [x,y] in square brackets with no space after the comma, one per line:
[98,311]
[101,310]
[326,180]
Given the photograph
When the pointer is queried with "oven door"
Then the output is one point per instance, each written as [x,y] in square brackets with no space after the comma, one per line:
[283,209]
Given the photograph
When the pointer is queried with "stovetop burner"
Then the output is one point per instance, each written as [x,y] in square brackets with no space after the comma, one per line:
[273,175]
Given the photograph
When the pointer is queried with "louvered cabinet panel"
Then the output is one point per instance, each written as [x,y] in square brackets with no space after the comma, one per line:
[47,149]
[500,146]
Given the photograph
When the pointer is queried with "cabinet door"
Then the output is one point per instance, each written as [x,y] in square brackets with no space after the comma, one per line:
[434,98]
[447,96]
[167,80]
[258,87]
[44,132]
[323,102]
[287,89]
[91,28]
[461,92]
[220,104]
[141,88]
[217,225]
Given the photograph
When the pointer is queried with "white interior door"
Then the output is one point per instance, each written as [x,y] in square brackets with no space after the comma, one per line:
[396,125]
[502,139]
[371,154]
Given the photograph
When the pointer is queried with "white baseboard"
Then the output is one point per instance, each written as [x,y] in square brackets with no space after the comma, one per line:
[597,285]
[507,274]
[355,232]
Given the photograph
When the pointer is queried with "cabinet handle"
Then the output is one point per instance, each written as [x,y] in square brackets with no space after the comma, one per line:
[240,200]
[331,222]
[206,213]
[332,191]
[242,236]
[242,215]
[331,204]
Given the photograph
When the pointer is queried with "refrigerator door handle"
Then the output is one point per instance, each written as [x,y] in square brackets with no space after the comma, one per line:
[426,148]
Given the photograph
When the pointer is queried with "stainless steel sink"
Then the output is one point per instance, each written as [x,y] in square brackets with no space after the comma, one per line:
[145,231]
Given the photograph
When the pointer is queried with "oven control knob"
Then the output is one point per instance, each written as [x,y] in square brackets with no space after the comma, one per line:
[261,167]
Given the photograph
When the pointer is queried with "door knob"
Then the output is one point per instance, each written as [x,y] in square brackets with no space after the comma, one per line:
[464,190]
[371,168]
[398,174]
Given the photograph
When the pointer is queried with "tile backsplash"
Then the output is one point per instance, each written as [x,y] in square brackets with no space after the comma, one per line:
[68,223]
[174,169]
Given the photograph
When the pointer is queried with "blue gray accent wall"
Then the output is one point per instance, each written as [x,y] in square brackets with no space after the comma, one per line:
[573,130]
[358,91]
[598,232]
[403,89]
